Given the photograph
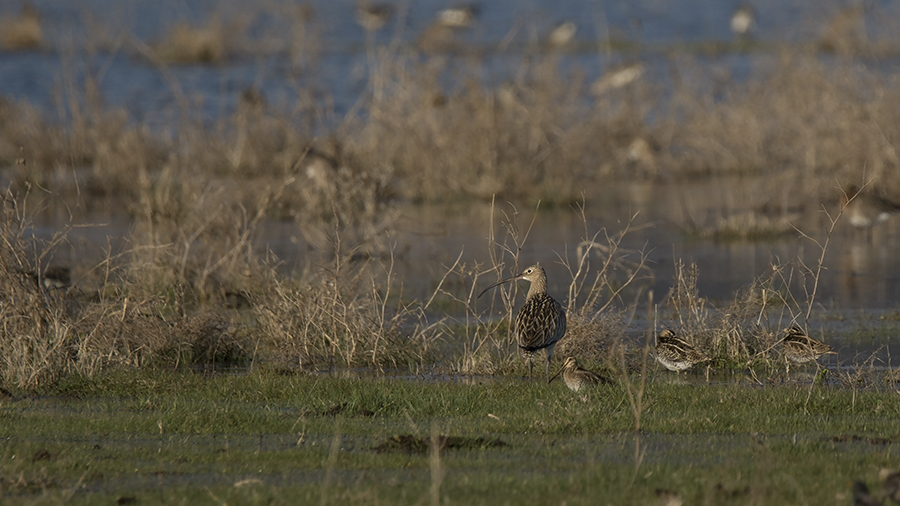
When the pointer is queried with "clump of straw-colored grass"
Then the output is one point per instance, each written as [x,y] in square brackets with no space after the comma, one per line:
[22,32]
[343,320]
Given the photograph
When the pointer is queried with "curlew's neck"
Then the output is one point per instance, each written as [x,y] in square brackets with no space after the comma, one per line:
[538,286]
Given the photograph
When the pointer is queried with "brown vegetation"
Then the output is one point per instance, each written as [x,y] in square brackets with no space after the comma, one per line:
[196,199]
[22,32]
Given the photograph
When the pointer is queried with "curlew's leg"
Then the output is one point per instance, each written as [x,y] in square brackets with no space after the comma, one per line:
[549,358]
[529,359]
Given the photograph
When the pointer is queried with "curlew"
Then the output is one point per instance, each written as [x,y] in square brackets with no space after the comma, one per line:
[800,348]
[576,377]
[541,322]
[675,353]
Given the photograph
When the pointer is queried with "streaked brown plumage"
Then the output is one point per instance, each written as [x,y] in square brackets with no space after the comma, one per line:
[57,277]
[372,17]
[800,348]
[865,209]
[675,353]
[577,377]
[890,489]
[562,34]
[743,20]
[541,322]
[861,495]
[458,17]
[53,278]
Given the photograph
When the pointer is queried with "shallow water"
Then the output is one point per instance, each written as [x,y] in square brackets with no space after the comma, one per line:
[861,270]
[336,63]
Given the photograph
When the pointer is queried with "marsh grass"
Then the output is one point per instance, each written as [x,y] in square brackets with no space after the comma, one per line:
[748,331]
[530,130]
[49,333]
[221,430]
[601,272]
[428,128]
[119,420]
[35,330]
[22,32]
[345,319]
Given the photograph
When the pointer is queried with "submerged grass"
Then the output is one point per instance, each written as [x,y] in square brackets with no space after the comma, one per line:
[262,437]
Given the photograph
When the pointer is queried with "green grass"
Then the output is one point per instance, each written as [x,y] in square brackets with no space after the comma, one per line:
[163,437]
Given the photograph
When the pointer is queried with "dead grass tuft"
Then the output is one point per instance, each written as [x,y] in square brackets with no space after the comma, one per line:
[192,44]
[22,32]
[213,339]
[734,335]
[123,334]
[602,273]
[337,321]
[594,340]
[35,333]
[427,129]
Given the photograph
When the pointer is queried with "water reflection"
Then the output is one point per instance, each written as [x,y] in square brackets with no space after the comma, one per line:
[858,272]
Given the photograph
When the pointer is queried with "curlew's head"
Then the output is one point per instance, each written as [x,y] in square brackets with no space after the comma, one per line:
[534,274]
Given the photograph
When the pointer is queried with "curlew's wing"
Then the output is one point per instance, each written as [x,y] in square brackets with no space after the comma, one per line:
[540,323]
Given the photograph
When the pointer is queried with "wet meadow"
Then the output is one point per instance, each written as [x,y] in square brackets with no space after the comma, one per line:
[241,248]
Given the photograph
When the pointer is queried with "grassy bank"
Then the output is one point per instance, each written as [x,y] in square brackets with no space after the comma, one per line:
[267,438]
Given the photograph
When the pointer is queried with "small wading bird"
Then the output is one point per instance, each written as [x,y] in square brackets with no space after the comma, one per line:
[372,17]
[54,277]
[618,78]
[866,210]
[890,489]
[861,495]
[461,16]
[800,348]
[576,377]
[562,34]
[675,353]
[541,322]
[743,20]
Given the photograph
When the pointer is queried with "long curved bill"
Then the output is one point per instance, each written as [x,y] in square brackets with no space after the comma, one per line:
[498,283]
[555,375]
